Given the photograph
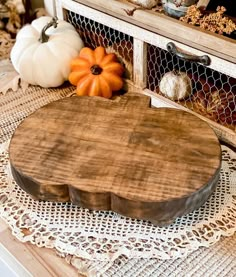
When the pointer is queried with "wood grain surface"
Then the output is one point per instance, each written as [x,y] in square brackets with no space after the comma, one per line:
[124,156]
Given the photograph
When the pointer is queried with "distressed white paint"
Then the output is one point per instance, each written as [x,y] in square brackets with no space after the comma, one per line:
[140,63]
[218,64]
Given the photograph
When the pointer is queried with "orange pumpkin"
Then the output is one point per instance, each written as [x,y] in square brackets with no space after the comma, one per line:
[96,73]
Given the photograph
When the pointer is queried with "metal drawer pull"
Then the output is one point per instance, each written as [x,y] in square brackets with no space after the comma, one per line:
[205,60]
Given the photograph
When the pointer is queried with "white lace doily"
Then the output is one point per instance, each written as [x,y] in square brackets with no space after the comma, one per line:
[106,235]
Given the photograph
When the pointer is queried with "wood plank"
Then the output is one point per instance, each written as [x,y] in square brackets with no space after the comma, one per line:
[140,63]
[122,155]
[193,36]
[38,261]
[203,3]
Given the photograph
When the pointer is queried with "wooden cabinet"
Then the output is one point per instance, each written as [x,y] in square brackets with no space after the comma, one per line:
[142,43]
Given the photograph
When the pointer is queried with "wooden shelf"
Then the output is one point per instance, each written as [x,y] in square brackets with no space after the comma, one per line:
[171,28]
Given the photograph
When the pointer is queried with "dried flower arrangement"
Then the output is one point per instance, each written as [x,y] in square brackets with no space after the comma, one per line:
[10,12]
[215,22]
[217,105]
[6,43]
[16,13]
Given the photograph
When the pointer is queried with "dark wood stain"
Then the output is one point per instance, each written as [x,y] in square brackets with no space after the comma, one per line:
[124,156]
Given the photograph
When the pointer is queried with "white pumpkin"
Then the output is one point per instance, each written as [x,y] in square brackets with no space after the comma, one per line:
[43,51]
[175,85]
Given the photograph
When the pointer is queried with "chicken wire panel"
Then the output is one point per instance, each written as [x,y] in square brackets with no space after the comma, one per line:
[212,94]
[96,34]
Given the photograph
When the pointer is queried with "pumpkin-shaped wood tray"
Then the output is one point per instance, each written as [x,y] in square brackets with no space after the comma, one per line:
[142,162]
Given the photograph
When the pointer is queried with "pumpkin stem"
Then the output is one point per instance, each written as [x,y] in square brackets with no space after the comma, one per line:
[176,72]
[96,69]
[44,37]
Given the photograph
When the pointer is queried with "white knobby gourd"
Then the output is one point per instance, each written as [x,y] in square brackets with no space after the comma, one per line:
[175,85]
[43,51]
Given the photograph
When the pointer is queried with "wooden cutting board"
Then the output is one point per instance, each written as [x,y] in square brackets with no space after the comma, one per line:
[142,162]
